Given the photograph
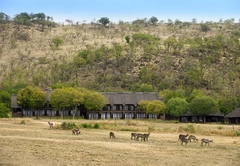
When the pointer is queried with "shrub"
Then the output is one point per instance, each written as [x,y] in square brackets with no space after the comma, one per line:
[68,126]
[238,133]
[96,126]
[84,125]
[190,129]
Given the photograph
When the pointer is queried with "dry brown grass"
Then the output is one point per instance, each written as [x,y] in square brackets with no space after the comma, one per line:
[31,142]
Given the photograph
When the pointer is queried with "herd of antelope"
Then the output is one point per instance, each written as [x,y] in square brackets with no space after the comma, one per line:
[144,137]
[189,138]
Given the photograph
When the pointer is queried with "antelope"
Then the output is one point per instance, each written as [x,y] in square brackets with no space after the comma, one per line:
[185,140]
[134,135]
[192,137]
[182,136]
[50,125]
[112,135]
[143,136]
[206,141]
[76,131]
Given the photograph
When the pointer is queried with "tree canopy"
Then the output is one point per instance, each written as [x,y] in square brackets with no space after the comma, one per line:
[104,21]
[176,107]
[31,97]
[203,105]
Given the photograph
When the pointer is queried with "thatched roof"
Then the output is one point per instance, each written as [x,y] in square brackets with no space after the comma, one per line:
[234,114]
[129,97]
[112,97]
[14,102]
[219,114]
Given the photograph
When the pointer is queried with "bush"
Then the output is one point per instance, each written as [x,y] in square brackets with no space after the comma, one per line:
[68,126]
[96,126]
[4,111]
[238,133]
[84,125]
[190,129]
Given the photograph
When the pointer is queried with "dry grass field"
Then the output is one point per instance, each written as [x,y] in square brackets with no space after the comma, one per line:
[28,142]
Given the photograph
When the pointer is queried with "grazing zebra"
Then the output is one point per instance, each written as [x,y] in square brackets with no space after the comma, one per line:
[76,131]
[50,125]
[143,136]
[185,140]
[182,136]
[206,141]
[192,137]
[112,135]
[134,135]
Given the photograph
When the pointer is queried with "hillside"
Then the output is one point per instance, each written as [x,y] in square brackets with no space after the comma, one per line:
[126,56]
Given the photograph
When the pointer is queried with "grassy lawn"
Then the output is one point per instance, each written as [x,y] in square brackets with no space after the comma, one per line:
[27,141]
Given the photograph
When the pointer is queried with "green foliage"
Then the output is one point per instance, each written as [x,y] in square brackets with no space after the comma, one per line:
[84,54]
[190,129]
[31,97]
[96,126]
[5,98]
[146,88]
[176,107]
[203,105]
[143,104]
[168,94]
[143,38]
[156,107]
[204,27]
[57,42]
[68,125]
[153,20]
[4,111]
[127,38]
[238,133]
[4,18]
[87,126]
[227,104]
[94,100]
[104,21]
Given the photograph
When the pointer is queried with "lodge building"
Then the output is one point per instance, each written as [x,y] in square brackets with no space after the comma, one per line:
[119,106]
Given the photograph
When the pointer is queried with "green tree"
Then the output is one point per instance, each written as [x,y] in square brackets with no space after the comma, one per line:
[104,21]
[203,105]
[76,99]
[227,104]
[143,104]
[204,27]
[4,111]
[22,19]
[153,20]
[57,42]
[146,88]
[60,99]
[31,97]
[5,98]
[168,94]
[156,107]
[176,107]
[94,101]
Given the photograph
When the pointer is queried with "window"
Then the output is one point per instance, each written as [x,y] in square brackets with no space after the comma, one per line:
[129,115]
[152,116]
[117,107]
[107,108]
[129,107]
[140,116]
[117,115]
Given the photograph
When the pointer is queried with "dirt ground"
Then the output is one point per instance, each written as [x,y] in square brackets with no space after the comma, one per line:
[35,144]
